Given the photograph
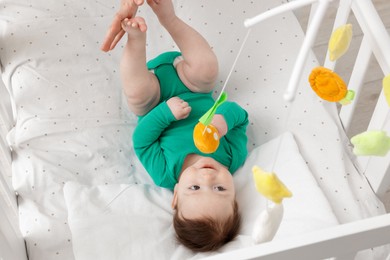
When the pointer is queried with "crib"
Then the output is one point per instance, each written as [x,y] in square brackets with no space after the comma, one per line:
[72,188]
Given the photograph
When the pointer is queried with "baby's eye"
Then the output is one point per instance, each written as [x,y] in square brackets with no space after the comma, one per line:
[219,188]
[194,187]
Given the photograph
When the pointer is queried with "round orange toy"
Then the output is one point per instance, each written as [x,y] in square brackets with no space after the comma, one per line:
[327,84]
[206,138]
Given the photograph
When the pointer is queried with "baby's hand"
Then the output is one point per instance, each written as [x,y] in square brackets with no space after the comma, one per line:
[134,26]
[220,123]
[180,109]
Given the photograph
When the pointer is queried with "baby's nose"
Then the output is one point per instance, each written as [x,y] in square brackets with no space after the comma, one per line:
[209,175]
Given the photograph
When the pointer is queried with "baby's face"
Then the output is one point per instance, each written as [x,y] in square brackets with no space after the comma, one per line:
[205,189]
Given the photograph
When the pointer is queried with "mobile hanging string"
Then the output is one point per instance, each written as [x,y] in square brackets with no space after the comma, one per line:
[206,136]
[222,97]
[208,116]
[235,62]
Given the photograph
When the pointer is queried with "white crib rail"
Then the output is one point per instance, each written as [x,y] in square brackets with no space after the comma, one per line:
[11,241]
[6,121]
[342,241]
[376,41]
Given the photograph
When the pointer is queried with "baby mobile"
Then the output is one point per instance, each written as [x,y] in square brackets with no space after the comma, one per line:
[327,84]
[331,87]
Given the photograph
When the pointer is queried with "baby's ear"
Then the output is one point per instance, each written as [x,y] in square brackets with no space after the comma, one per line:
[174,200]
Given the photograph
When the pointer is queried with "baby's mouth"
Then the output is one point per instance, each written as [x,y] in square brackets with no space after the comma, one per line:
[207,163]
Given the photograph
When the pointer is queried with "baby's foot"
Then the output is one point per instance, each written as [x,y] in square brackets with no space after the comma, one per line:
[163,9]
[135,28]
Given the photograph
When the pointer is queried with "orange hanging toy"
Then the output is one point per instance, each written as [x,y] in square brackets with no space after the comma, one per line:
[330,86]
[206,136]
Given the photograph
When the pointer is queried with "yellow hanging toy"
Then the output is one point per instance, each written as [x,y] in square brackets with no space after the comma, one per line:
[269,185]
[386,88]
[339,41]
[268,221]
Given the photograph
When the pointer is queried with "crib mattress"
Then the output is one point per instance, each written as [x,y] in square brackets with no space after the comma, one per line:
[73,127]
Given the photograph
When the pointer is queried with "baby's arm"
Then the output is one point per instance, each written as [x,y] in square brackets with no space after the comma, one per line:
[146,137]
[146,141]
[236,119]
[220,123]
[151,126]
[228,117]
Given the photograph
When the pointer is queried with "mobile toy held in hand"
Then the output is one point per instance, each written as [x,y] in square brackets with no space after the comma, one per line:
[206,136]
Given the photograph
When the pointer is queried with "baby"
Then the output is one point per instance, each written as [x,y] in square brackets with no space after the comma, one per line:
[169,94]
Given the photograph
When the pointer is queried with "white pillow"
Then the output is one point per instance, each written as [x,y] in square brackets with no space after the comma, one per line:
[134,221]
[307,210]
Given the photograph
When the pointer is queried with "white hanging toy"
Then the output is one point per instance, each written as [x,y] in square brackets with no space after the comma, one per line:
[268,221]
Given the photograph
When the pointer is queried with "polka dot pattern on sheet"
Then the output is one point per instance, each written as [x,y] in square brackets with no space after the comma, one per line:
[72,120]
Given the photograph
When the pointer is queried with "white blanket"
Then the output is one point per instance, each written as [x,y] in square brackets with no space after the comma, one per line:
[134,221]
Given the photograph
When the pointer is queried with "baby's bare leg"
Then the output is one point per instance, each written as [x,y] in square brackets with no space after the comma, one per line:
[140,86]
[199,69]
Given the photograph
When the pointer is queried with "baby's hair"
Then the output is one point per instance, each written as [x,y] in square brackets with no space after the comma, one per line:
[207,234]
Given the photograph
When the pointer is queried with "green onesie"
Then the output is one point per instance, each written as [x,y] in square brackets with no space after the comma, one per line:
[162,143]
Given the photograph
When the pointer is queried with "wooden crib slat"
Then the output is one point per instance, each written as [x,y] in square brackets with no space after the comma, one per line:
[11,250]
[6,121]
[11,240]
[5,161]
[376,169]
[343,12]
[372,27]
[11,243]
[356,82]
